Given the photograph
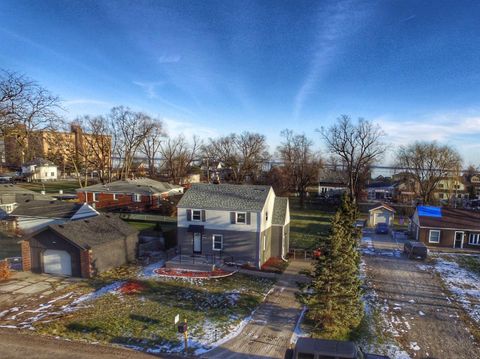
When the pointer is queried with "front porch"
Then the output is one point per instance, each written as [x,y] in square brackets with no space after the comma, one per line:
[195,262]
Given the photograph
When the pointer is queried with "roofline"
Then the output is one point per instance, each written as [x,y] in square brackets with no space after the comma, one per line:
[225,209]
[384,206]
[49,227]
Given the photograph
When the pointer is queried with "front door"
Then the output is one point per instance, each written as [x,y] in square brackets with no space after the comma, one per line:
[197,243]
[459,240]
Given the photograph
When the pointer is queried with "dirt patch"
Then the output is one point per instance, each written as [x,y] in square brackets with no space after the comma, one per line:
[421,314]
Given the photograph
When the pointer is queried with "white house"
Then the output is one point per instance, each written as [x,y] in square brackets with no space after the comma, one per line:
[40,169]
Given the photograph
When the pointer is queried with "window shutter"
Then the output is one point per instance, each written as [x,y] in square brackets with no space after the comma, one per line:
[232,218]
[204,218]
[189,214]
[248,217]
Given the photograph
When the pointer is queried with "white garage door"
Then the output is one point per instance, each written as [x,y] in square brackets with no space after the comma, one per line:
[57,262]
[382,217]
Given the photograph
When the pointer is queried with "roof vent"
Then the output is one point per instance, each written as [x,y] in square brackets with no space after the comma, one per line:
[86,221]
[61,226]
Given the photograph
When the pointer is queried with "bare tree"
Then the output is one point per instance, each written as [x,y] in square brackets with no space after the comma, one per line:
[301,163]
[95,136]
[242,153]
[358,145]
[428,163]
[25,108]
[151,145]
[129,132]
[178,156]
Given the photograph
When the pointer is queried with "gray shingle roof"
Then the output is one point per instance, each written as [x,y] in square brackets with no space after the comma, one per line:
[143,186]
[280,210]
[225,197]
[47,209]
[39,162]
[95,231]
[10,193]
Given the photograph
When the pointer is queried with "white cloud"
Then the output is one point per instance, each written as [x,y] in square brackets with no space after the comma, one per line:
[336,22]
[177,127]
[149,87]
[456,129]
[169,59]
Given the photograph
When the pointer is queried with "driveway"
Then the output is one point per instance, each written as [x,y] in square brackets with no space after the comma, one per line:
[268,333]
[418,310]
[25,285]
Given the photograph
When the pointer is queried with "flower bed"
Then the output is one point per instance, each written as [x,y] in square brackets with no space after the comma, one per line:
[131,288]
[181,273]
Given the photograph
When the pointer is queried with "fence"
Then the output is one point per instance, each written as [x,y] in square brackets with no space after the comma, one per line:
[301,254]
[147,217]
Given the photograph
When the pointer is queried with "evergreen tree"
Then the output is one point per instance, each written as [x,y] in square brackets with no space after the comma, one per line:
[335,305]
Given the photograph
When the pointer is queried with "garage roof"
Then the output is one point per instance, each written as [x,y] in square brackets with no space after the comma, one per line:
[95,231]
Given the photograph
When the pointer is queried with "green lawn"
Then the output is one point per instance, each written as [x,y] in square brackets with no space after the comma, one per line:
[146,319]
[51,187]
[307,227]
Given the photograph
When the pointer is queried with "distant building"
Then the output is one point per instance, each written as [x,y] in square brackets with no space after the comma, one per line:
[132,194]
[11,196]
[40,170]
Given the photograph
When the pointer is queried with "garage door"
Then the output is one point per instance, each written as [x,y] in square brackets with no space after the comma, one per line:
[57,262]
[382,217]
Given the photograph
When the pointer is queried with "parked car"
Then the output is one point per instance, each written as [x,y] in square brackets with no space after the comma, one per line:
[310,348]
[381,228]
[415,250]
[360,223]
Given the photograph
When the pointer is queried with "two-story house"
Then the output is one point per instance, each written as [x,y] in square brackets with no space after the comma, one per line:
[245,222]
[40,169]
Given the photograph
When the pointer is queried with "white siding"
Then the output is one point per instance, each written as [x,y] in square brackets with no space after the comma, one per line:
[84,212]
[220,220]
[269,203]
[29,225]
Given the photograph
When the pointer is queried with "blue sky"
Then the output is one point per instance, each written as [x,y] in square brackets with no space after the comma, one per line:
[213,67]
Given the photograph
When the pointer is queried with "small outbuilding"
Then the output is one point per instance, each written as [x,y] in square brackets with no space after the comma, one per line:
[381,214]
[82,248]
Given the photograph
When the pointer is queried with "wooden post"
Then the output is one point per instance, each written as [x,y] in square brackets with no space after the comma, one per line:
[185,336]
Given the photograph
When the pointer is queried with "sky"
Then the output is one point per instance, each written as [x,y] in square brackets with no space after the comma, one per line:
[214,67]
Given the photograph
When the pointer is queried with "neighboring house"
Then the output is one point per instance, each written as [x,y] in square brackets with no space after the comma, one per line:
[11,196]
[131,194]
[381,214]
[381,191]
[451,190]
[446,227]
[39,169]
[82,248]
[244,222]
[32,216]
[331,183]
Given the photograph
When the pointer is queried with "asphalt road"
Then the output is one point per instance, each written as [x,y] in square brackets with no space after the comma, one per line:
[16,344]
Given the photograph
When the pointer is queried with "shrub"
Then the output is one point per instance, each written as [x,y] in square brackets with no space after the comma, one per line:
[4,270]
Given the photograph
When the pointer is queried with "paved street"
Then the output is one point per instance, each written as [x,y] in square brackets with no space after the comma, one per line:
[418,310]
[20,345]
[268,334]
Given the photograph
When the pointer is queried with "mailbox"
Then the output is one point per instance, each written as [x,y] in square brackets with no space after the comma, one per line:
[182,328]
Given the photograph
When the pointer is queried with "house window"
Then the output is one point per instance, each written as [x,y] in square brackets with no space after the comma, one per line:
[46,174]
[52,174]
[441,195]
[474,239]
[217,242]
[266,216]
[264,242]
[434,236]
[137,197]
[241,217]
[94,197]
[115,197]
[196,215]
[440,185]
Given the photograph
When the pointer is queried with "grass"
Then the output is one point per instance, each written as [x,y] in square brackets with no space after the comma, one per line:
[468,262]
[307,227]
[51,187]
[145,319]
[151,225]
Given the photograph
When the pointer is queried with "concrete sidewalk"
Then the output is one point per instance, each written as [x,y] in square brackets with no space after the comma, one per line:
[269,332]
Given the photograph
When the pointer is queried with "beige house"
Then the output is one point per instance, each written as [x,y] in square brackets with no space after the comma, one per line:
[381,214]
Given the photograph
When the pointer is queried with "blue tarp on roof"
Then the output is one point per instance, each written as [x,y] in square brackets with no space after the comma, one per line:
[429,211]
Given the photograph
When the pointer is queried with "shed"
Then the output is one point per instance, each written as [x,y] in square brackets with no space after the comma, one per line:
[81,248]
[381,214]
